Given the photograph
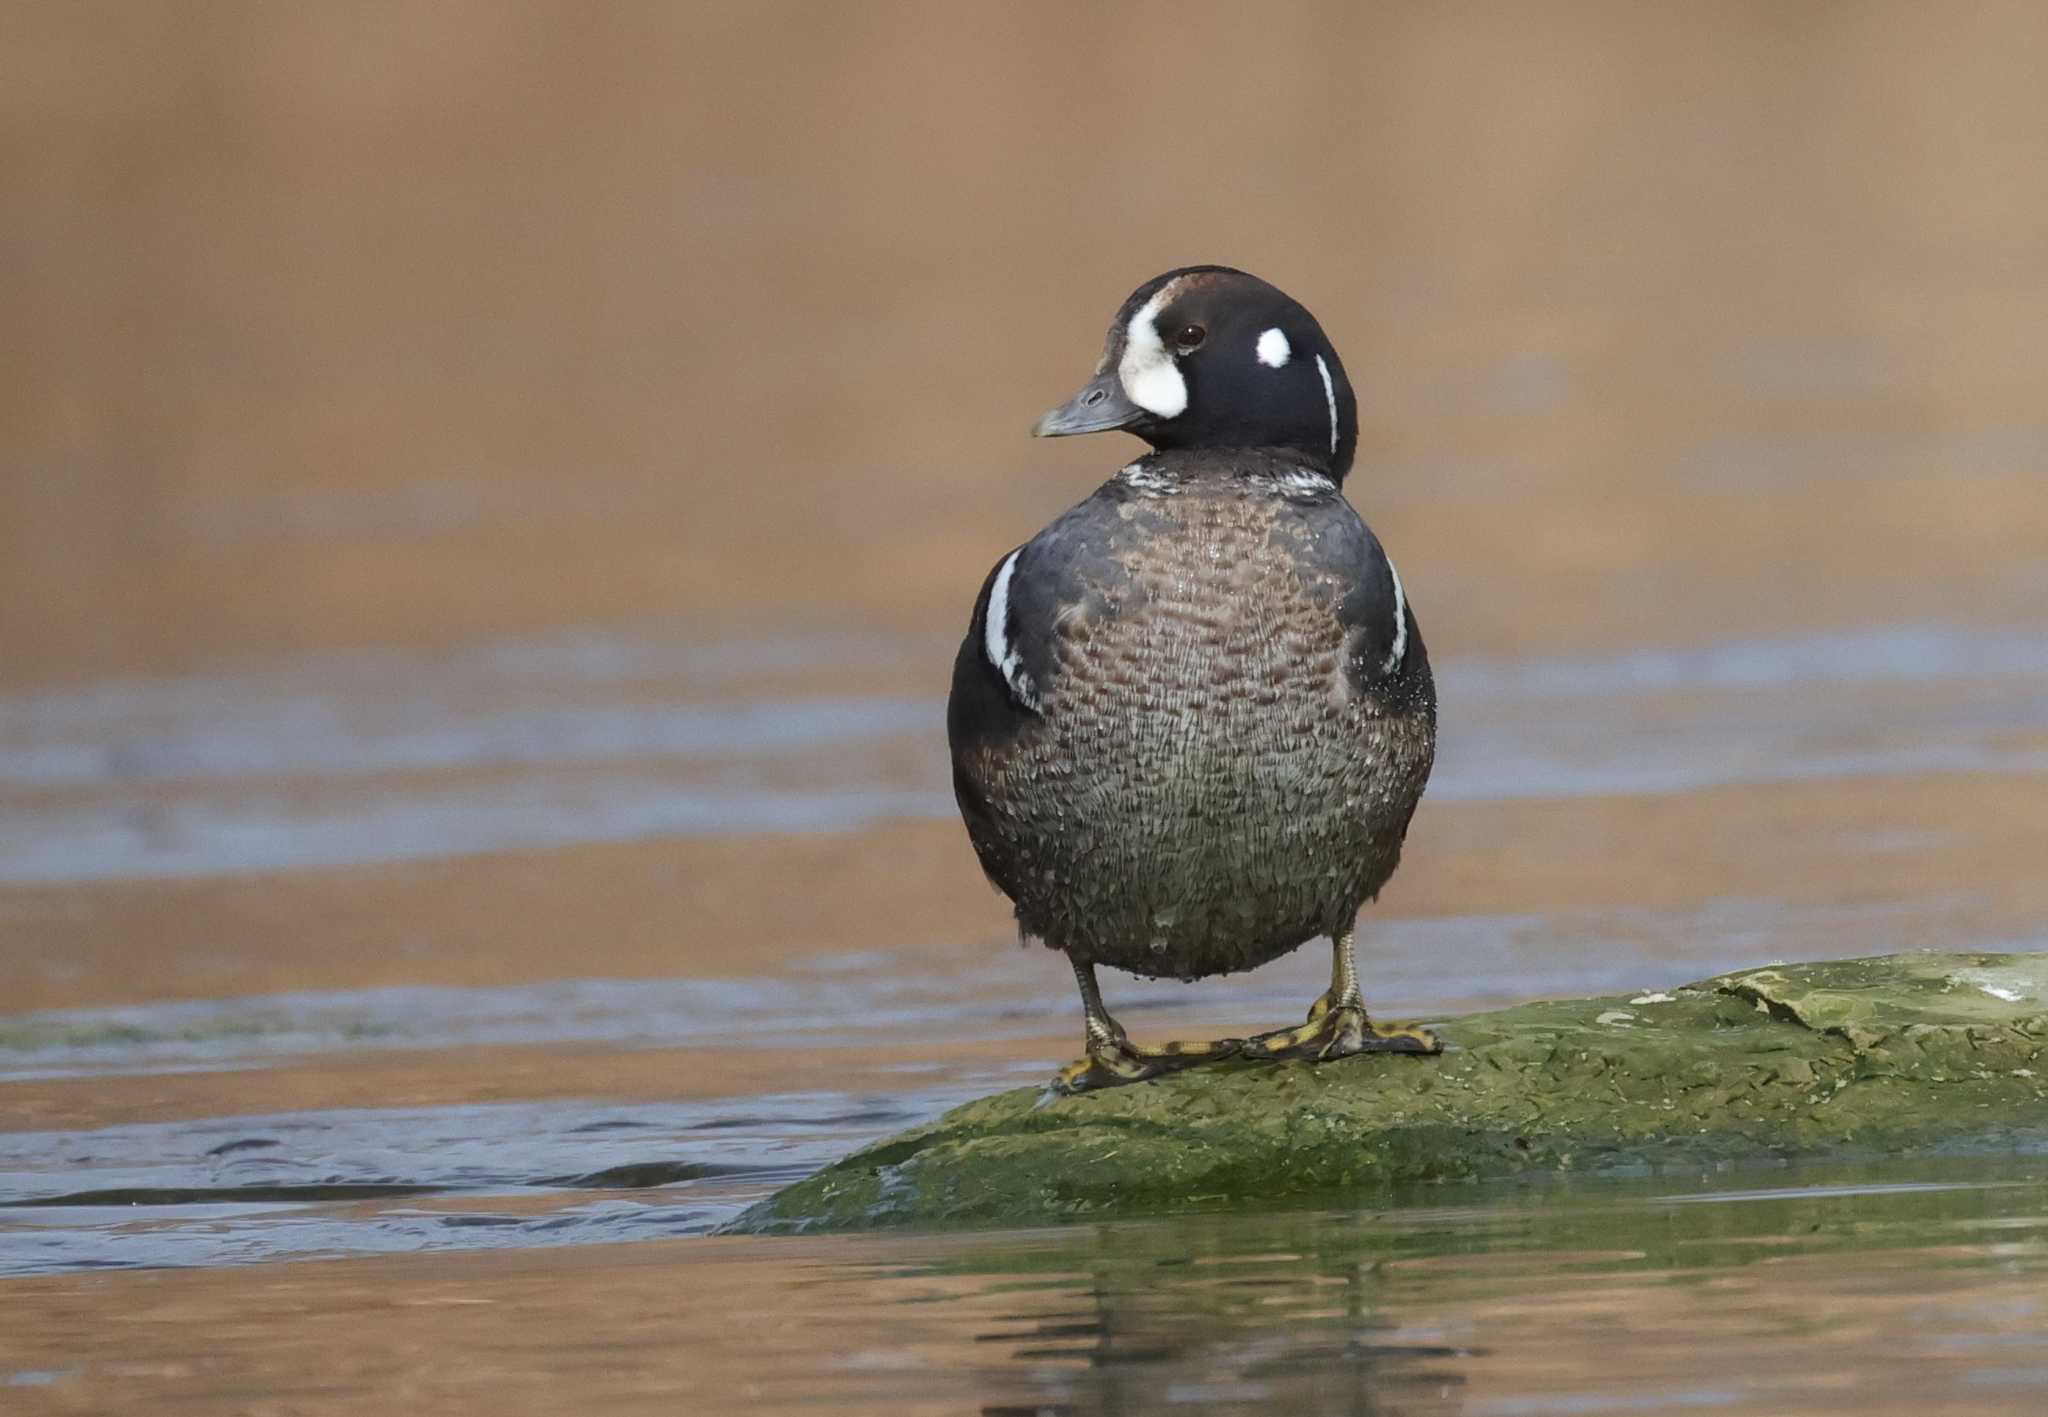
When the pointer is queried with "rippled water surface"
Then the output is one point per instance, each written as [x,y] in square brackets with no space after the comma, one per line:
[1906,1288]
[490,500]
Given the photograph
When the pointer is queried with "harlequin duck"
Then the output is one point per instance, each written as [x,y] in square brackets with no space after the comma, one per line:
[1192,717]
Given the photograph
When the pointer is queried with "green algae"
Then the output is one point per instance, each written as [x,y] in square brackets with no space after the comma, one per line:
[1935,1054]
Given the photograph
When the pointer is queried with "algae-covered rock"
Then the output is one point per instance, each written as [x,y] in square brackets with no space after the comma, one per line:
[1901,1052]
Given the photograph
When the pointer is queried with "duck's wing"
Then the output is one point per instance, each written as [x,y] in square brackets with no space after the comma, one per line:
[1385,661]
[1005,677]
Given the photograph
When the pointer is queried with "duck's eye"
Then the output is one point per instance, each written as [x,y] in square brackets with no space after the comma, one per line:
[1190,338]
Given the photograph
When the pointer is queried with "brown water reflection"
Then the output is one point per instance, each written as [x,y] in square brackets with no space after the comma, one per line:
[1839,1298]
[486,497]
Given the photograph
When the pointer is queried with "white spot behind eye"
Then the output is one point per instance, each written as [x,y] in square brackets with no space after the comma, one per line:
[1149,376]
[995,636]
[1330,394]
[1274,350]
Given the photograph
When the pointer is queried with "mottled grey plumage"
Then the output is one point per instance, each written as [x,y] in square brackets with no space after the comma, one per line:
[1221,769]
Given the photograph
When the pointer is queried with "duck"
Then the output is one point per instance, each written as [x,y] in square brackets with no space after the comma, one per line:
[1192,718]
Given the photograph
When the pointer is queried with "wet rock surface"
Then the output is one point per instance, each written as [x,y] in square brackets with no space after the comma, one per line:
[1922,1052]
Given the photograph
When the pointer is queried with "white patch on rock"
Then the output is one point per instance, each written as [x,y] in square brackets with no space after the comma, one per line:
[1657,998]
[1614,1016]
[2011,984]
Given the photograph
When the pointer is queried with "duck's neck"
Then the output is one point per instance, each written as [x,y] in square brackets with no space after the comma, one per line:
[1170,470]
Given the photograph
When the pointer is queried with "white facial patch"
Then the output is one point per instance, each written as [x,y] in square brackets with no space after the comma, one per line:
[1399,650]
[995,636]
[1274,350]
[1150,378]
[1330,395]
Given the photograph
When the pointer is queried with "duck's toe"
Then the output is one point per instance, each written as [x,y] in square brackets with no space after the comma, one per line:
[1339,1031]
[1115,1061]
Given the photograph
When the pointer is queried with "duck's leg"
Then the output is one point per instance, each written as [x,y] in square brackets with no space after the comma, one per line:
[1337,1025]
[1114,1060]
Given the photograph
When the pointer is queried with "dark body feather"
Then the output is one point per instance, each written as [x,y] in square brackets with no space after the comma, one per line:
[1211,759]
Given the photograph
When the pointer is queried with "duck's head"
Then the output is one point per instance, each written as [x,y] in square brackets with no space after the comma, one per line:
[1209,357]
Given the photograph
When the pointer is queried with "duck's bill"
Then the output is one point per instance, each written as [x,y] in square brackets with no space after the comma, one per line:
[1098,408]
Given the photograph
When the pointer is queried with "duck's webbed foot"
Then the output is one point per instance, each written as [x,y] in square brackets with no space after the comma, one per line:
[1337,1024]
[1113,1060]
[1340,1032]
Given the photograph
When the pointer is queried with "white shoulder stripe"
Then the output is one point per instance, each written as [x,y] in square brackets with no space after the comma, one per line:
[1330,396]
[995,636]
[1399,651]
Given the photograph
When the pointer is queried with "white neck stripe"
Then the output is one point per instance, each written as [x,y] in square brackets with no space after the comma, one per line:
[1330,397]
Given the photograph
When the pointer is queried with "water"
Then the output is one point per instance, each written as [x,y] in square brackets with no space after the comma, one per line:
[535,744]
[521,1175]
[1901,1288]
[487,505]
[240,1190]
